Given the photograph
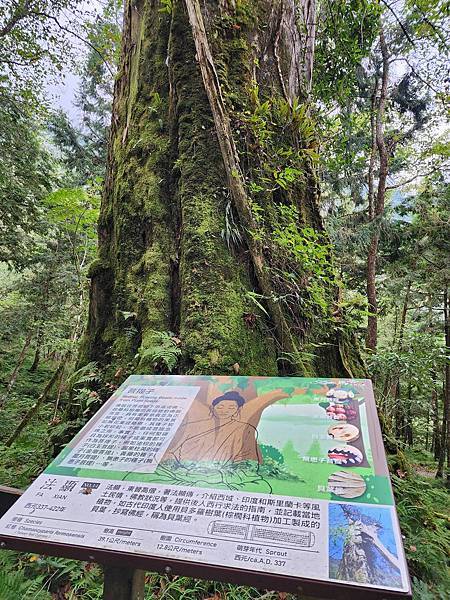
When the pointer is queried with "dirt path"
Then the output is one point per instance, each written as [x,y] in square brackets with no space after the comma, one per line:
[424,471]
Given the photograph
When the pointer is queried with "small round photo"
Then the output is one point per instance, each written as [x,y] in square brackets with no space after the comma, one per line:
[345,456]
[346,484]
[343,432]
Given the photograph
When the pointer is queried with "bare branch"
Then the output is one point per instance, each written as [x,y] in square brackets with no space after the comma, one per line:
[75,34]
[403,28]
[410,180]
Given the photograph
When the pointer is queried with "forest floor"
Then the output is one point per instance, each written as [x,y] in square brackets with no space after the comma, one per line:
[422,505]
[424,471]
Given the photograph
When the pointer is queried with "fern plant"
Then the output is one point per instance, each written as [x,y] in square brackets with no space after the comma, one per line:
[85,376]
[163,352]
[14,586]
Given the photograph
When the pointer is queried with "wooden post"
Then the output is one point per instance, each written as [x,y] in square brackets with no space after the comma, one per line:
[122,583]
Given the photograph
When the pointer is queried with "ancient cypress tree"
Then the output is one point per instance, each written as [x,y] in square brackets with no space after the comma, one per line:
[212,253]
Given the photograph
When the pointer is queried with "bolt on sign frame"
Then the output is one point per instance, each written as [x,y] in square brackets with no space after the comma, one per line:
[278,483]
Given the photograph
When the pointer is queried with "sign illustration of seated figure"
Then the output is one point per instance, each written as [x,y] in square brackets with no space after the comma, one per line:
[227,433]
[275,482]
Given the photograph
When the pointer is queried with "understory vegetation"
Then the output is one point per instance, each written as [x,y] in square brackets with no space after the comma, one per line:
[367,143]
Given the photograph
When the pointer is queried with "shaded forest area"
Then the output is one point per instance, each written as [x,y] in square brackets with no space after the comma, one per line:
[330,221]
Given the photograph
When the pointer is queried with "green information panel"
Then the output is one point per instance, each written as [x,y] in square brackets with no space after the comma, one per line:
[276,481]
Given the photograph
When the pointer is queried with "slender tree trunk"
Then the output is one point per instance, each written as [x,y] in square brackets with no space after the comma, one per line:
[37,353]
[443,437]
[403,316]
[401,415]
[59,393]
[185,243]
[372,324]
[399,411]
[373,152]
[372,320]
[445,431]
[436,438]
[19,363]
[36,406]
[309,20]
[408,415]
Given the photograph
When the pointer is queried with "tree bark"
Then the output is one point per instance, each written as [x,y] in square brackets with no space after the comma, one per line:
[181,164]
[36,406]
[403,316]
[373,152]
[37,353]
[408,416]
[401,415]
[445,431]
[436,437]
[378,209]
[447,376]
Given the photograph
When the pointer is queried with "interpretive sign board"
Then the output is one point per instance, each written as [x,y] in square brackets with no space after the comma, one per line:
[276,482]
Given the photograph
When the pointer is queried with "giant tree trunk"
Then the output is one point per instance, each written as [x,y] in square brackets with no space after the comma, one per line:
[211,161]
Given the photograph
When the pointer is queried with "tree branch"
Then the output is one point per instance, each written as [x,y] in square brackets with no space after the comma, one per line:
[20,13]
[75,34]
[416,74]
[402,183]
[403,28]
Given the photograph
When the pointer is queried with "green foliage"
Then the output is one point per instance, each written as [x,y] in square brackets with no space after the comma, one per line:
[311,252]
[34,39]
[82,383]
[14,585]
[231,233]
[163,351]
[26,176]
[22,462]
[425,591]
[346,31]
[75,212]
[423,508]
[166,6]
[83,146]
[283,136]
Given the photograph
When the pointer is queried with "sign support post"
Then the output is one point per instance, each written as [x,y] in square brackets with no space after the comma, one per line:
[123,583]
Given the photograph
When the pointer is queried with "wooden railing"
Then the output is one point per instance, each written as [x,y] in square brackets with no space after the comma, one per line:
[8,496]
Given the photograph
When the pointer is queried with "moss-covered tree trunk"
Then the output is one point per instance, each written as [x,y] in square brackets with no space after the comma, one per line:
[212,254]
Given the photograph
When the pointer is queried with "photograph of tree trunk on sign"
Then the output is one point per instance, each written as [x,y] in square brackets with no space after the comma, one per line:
[362,546]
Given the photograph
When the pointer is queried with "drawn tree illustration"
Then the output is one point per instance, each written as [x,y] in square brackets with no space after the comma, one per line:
[315,449]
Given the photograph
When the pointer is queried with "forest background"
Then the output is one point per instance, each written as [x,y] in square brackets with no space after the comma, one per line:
[375,120]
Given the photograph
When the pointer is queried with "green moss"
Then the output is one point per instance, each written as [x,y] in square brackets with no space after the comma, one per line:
[213,281]
[163,253]
[136,208]
[96,267]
